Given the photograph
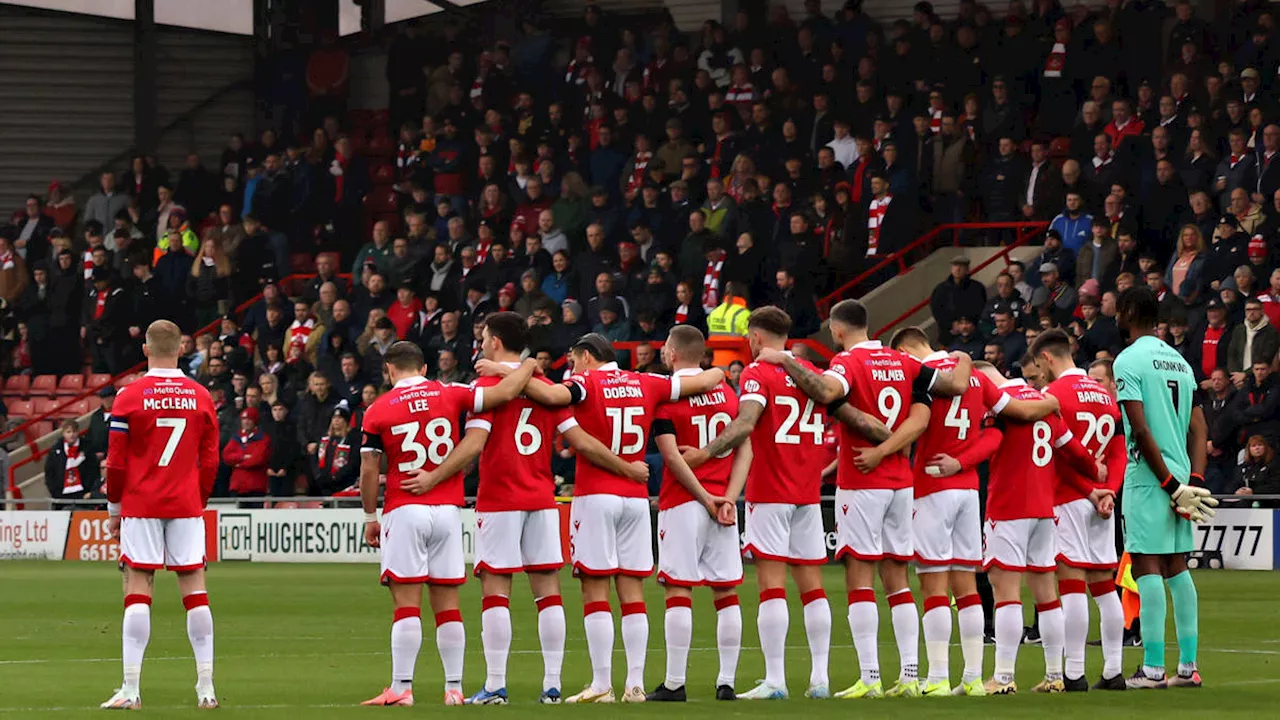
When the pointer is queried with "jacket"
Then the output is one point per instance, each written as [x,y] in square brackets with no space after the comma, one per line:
[1084,260]
[335,466]
[950,300]
[1076,232]
[1265,346]
[248,456]
[55,472]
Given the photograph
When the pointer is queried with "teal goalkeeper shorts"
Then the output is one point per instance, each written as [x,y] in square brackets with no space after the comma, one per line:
[1151,527]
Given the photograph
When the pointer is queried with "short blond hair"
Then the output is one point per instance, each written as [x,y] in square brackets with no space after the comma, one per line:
[164,339]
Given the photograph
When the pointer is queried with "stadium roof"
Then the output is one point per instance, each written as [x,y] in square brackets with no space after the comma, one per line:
[228,16]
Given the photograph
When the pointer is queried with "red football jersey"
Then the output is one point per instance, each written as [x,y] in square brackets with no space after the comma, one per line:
[883,383]
[617,407]
[1023,478]
[953,423]
[162,456]
[416,425]
[1093,417]
[787,441]
[696,421]
[515,466]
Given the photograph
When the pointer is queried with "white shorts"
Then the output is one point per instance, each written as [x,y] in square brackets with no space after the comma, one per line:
[423,544]
[610,535]
[510,541]
[873,525]
[175,544]
[694,549]
[946,529]
[1085,541]
[786,533]
[1022,545]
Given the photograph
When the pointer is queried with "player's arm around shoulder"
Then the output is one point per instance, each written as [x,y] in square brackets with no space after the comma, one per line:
[825,388]
[703,382]
[949,383]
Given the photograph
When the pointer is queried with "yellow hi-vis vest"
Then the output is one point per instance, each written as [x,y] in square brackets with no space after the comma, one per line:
[728,319]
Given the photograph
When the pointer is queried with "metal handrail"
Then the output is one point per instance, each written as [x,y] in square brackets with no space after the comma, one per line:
[1025,232]
[899,257]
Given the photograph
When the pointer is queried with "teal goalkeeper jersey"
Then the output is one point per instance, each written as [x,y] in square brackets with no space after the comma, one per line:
[1152,372]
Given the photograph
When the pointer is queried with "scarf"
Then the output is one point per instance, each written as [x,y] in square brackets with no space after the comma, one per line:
[875,217]
[338,170]
[101,306]
[1056,61]
[682,314]
[341,450]
[71,477]
[935,121]
[1099,162]
[6,261]
[641,164]
[711,284]
[300,333]
[1251,331]
[88,264]
[741,95]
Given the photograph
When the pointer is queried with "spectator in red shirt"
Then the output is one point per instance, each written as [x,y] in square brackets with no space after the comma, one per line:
[247,454]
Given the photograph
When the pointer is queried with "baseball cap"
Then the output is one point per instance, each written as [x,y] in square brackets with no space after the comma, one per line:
[250,413]
[1048,268]
[1249,73]
[1215,303]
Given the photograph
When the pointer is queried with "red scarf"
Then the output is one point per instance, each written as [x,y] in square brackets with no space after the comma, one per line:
[641,163]
[875,216]
[682,314]
[593,136]
[71,478]
[740,95]
[88,264]
[711,284]
[1056,61]
[482,251]
[935,121]
[6,261]
[300,333]
[101,306]
[855,187]
[715,156]
[339,181]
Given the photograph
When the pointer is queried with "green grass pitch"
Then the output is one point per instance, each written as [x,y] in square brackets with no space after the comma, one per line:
[311,641]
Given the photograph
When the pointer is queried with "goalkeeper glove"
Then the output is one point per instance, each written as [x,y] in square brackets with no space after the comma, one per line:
[1192,503]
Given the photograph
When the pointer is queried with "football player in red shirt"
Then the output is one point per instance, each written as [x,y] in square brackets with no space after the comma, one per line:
[784,520]
[162,458]
[609,532]
[946,524]
[416,425]
[1018,538]
[1085,524]
[517,522]
[873,484]
[697,532]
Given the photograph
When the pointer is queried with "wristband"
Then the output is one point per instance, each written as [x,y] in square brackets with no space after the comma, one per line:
[1169,485]
[113,509]
[371,517]
[1197,480]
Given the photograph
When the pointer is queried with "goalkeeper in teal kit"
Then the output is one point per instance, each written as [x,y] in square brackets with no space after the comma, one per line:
[1163,491]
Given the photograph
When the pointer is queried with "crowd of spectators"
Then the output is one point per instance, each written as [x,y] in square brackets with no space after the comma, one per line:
[606,176]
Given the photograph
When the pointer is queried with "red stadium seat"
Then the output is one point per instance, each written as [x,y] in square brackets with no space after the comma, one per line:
[380,146]
[96,381]
[35,431]
[17,386]
[44,405]
[126,379]
[94,401]
[383,174]
[380,119]
[74,410]
[1060,148]
[382,199]
[360,118]
[392,220]
[44,386]
[21,409]
[300,263]
[70,385]
[312,505]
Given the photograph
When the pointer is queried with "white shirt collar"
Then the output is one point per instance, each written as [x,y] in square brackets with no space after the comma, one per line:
[608,366]
[686,372]
[410,381]
[1013,383]
[510,364]
[868,345]
[935,355]
[1071,372]
[165,372]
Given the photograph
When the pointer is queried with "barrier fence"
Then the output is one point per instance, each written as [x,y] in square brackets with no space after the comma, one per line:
[1245,537]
